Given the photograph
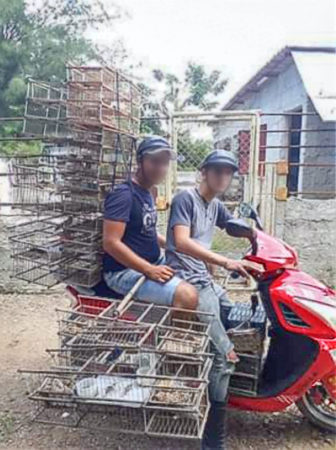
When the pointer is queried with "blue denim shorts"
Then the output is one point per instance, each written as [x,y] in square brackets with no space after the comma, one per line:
[150,291]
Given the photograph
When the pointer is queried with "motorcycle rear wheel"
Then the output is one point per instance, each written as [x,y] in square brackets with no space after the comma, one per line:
[319,408]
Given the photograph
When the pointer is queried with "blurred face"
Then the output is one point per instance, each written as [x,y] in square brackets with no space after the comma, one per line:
[155,167]
[218,178]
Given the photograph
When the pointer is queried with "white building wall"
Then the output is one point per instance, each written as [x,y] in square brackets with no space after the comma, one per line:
[320,150]
[286,93]
[282,93]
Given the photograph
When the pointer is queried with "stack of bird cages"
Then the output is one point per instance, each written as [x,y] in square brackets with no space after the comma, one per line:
[36,247]
[102,96]
[174,333]
[249,346]
[119,367]
[247,327]
[81,247]
[86,150]
[34,182]
[45,110]
[169,396]
[37,251]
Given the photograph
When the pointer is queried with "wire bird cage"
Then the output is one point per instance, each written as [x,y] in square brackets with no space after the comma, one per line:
[249,346]
[103,96]
[120,367]
[37,251]
[35,185]
[45,111]
[88,126]
[139,325]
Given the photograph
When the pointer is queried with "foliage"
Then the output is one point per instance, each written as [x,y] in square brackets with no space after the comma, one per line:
[191,151]
[150,112]
[198,91]
[38,40]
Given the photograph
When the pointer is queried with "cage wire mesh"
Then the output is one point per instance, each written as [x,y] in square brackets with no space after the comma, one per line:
[195,135]
[88,127]
[249,346]
[176,334]
[120,366]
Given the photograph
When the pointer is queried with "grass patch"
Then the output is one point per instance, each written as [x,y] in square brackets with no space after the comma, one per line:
[6,426]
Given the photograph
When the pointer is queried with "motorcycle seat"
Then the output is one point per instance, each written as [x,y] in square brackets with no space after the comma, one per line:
[101,289]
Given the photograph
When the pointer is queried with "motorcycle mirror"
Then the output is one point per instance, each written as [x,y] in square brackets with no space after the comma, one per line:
[247,210]
[239,228]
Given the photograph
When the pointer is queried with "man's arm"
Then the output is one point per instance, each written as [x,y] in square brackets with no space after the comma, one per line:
[185,244]
[161,240]
[113,233]
[181,217]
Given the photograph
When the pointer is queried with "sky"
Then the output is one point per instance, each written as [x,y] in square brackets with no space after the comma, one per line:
[234,36]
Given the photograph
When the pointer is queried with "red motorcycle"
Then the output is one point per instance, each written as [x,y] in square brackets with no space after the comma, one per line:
[299,366]
[299,363]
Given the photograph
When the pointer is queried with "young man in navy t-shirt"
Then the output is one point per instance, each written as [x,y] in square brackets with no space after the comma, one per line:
[130,240]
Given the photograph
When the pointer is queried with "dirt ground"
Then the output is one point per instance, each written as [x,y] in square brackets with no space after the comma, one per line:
[28,326]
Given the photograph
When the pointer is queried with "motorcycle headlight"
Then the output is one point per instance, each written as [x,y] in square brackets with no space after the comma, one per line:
[326,312]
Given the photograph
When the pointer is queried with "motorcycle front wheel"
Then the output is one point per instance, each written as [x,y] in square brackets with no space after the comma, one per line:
[319,408]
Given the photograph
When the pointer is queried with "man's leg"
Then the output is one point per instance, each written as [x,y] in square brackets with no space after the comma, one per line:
[215,430]
[174,292]
[222,295]
[225,304]
[219,377]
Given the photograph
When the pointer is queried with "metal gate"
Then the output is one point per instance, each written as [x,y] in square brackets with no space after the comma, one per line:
[195,134]
[281,155]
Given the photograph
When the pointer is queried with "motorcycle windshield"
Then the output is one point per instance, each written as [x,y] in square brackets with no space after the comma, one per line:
[273,253]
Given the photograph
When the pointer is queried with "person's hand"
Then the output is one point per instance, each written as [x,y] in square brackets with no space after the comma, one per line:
[253,266]
[236,266]
[242,267]
[162,274]
[232,357]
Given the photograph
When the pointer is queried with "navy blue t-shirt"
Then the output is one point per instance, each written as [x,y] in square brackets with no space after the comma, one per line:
[134,205]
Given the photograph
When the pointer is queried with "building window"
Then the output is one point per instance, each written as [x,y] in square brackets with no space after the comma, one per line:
[244,144]
[295,125]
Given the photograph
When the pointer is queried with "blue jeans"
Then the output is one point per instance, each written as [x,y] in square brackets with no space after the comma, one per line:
[210,300]
[150,291]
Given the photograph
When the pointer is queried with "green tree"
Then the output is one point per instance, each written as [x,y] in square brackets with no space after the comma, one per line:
[198,91]
[38,41]
[13,24]
[191,151]
[151,113]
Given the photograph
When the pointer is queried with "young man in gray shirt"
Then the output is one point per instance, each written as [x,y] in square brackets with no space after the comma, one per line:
[194,215]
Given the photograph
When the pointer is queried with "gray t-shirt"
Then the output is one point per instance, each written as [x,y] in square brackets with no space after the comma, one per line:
[190,209]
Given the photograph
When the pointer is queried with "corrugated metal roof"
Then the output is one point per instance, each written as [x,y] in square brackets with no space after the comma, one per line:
[317,67]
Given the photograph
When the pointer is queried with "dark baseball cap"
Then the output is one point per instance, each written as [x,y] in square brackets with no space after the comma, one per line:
[219,157]
[152,145]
